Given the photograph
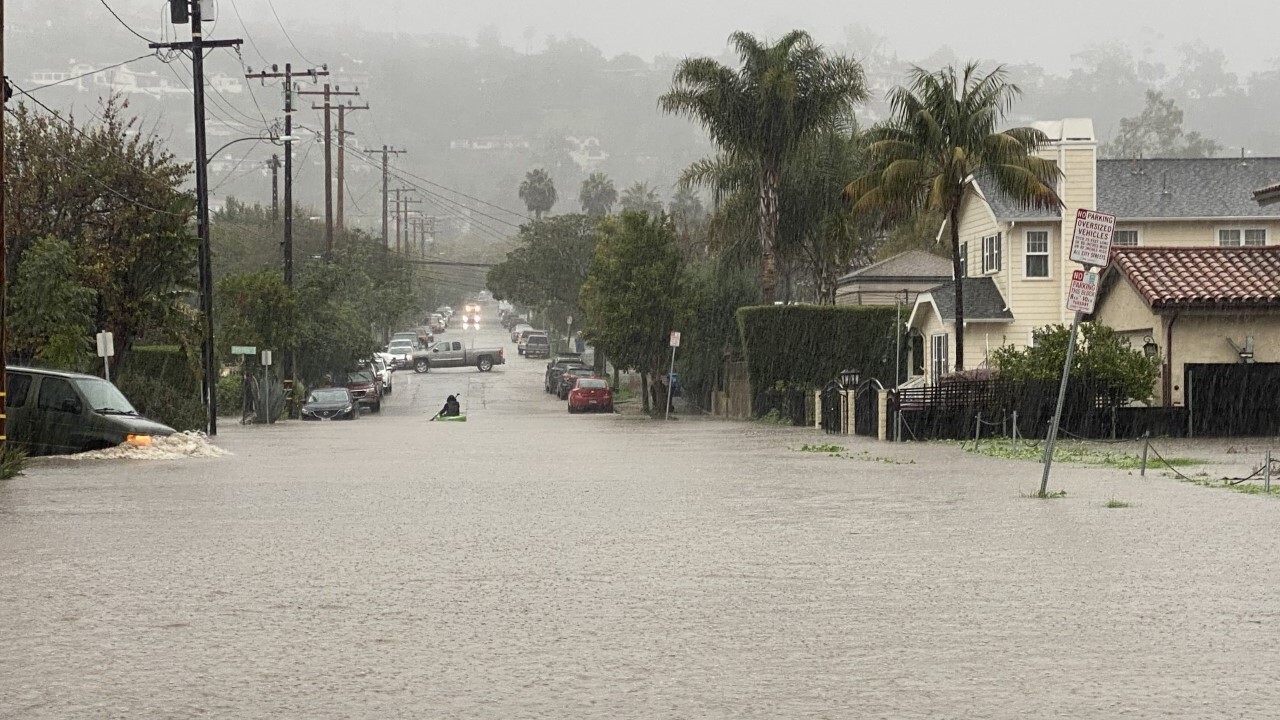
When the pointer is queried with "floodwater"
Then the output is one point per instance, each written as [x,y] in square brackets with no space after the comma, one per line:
[529,563]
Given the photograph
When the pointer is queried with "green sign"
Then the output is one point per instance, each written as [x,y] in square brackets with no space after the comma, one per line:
[243,350]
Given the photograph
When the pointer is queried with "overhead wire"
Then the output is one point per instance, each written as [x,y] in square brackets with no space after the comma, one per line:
[469,197]
[248,35]
[95,71]
[287,36]
[126,25]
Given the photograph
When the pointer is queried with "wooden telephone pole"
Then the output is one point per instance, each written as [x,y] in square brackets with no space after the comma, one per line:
[386,176]
[342,159]
[181,13]
[328,93]
[274,164]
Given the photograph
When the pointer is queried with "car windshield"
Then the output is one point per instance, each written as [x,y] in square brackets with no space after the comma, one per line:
[359,376]
[400,346]
[581,371]
[103,396]
[328,395]
[537,339]
[592,384]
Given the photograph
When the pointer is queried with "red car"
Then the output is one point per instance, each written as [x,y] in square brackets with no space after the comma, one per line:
[365,387]
[591,394]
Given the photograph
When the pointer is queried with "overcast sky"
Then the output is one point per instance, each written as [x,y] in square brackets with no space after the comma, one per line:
[1044,33]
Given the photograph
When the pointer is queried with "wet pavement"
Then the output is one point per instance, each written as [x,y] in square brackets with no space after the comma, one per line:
[532,563]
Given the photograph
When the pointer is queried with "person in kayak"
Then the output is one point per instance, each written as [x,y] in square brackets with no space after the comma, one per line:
[451,408]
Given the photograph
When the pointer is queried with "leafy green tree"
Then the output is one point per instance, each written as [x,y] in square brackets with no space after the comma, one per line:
[782,93]
[1157,132]
[632,295]
[115,196]
[548,267]
[943,131]
[641,197]
[256,309]
[538,192]
[1101,355]
[691,221]
[51,312]
[597,195]
[711,294]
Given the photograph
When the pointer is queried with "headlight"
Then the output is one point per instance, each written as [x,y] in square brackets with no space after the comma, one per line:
[347,409]
[138,440]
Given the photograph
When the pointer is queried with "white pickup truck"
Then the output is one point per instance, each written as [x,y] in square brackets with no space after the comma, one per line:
[453,353]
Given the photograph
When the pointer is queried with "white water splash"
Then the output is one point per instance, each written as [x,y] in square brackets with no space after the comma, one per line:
[174,447]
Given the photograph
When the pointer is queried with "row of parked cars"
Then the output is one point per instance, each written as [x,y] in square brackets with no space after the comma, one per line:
[572,379]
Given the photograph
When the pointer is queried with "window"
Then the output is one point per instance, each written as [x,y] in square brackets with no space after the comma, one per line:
[964,259]
[19,385]
[917,354]
[57,394]
[1242,237]
[940,365]
[1125,238]
[991,253]
[1037,254]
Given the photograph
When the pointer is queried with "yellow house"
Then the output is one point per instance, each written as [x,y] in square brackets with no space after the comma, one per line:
[1194,307]
[1016,257]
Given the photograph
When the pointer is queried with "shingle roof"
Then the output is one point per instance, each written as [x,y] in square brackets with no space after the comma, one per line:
[982,300]
[1185,188]
[1006,208]
[1203,277]
[910,265]
[1267,195]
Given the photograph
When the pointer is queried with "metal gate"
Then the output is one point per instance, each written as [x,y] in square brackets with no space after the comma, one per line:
[866,409]
[1233,400]
[831,398]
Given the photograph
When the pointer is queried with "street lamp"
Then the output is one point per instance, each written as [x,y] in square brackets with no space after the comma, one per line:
[849,378]
[1150,348]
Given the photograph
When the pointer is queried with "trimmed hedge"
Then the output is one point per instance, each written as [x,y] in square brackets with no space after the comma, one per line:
[164,385]
[804,347]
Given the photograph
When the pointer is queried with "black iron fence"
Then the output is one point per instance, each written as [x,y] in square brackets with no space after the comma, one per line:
[785,403]
[832,396]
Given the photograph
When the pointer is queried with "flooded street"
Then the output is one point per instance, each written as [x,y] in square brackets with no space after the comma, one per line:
[532,563]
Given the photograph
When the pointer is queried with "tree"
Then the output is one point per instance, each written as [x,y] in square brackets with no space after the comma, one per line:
[943,131]
[547,269]
[538,192]
[690,218]
[1101,356]
[1157,132]
[781,94]
[632,294]
[51,313]
[597,195]
[641,197]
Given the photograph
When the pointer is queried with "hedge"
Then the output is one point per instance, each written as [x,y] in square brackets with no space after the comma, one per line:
[164,385]
[804,347]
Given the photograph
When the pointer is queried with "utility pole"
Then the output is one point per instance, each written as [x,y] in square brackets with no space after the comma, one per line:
[386,175]
[179,12]
[288,75]
[274,164]
[4,287]
[403,240]
[342,159]
[328,93]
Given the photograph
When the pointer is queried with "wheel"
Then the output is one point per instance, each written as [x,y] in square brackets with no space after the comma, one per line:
[570,409]
[386,390]
[377,407]
[485,364]
[421,366]
[520,350]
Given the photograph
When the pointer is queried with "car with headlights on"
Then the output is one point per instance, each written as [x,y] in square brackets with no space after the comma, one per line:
[401,352]
[333,403]
[590,394]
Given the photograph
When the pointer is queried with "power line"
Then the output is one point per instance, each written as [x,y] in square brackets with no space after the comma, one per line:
[73,78]
[469,197]
[286,35]
[119,19]
[247,34]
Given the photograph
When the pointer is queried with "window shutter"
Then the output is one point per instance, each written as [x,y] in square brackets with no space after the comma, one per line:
[999,251]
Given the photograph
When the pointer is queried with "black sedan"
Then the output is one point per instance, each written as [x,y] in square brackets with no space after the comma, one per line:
[570,377]
[331,404]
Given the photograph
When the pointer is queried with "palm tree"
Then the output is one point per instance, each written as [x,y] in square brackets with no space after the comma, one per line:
[538,192]
[782,93]
[942,131]
[597,195]
[641,197]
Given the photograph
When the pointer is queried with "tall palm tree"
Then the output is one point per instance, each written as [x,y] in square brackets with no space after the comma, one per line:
[641,197]
[597,195]
[943,130]
[538,192]
[782,93]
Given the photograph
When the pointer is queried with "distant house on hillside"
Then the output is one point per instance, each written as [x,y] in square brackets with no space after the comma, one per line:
[894,281]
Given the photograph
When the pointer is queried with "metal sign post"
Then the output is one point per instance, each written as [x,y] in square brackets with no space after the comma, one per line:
[675,343]
[106,350]
[266,386]
[1090,245]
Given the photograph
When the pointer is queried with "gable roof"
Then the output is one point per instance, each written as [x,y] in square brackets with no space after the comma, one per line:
[1005,207]
[913,265]
[982,301]
[1186,188]
[1202,277]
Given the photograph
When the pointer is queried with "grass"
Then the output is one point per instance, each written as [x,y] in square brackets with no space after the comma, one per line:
[829,449]
[773,417]
[1116,504]
[1067,453]
[1052,495]
[12,462]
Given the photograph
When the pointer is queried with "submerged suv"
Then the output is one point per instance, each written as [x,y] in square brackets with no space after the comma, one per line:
[52,412]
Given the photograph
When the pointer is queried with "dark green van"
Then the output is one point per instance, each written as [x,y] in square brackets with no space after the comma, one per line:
[54,413]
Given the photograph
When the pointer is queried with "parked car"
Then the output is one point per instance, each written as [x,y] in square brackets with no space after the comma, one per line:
[518,328]
[452,353]
[382,367]
[332,403]
[401,352]
[410,335]
[437,323]
[364,387]
[523,338]
[425,336]
[570,379]
[556,368]
[52,413]
[537,346]
[591,394]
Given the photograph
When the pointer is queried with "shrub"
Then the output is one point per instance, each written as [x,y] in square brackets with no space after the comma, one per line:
[163,402]
[13,460]
[807,346]
[230,395]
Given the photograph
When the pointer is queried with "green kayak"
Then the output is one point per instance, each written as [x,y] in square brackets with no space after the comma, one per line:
[455,418]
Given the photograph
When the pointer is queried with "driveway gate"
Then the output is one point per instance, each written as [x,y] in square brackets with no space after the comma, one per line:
[831,398]
[866,408]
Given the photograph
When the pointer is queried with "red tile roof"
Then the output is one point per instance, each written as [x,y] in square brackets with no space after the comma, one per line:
[1203,277]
